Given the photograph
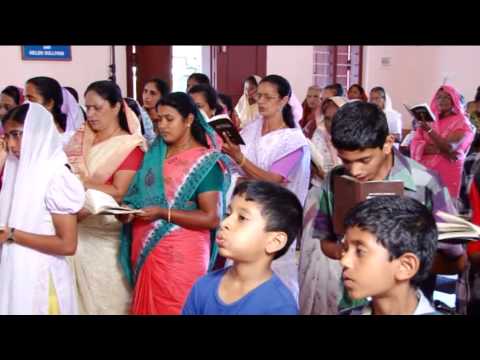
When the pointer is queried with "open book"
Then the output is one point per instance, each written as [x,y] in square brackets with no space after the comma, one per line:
[456,229]
[348,192]
[224,127]
[97,202]
[421,112]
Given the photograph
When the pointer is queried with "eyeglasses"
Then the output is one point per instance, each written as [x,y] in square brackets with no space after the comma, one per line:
[259,96]
[443,97]
[14,134]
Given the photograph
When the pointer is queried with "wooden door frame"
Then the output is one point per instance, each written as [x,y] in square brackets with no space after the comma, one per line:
[130,63]
[360,66]
[215,50]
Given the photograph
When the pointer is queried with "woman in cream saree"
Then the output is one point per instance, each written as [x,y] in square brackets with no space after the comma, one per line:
[106,159]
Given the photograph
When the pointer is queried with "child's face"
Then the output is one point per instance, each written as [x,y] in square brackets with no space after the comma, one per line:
[367,164]
[242,235]
[367,270]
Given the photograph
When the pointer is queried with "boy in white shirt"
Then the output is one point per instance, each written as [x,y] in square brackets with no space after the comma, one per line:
[389,247]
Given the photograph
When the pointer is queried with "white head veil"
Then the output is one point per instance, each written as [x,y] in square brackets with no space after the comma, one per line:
[26,180]
[74,113]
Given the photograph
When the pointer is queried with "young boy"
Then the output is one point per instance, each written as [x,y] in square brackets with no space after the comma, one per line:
[361,136]
[388,251]
[263,221]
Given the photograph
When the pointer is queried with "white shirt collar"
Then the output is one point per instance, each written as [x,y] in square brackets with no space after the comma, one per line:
[423,306]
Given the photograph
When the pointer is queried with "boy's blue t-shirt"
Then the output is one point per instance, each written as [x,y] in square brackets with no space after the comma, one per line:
[270,298]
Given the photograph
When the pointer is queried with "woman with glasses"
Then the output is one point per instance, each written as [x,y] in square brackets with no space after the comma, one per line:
[38,223]
[276,150]
[10,97]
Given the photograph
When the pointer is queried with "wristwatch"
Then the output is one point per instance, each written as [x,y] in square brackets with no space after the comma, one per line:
[11,237]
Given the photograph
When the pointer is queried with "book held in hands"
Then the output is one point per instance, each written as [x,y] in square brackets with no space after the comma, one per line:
[100,203]
[348,192]
[455,229]
[225,128]
[421,112]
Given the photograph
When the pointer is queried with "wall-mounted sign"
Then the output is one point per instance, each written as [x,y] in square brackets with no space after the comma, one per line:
[46,52]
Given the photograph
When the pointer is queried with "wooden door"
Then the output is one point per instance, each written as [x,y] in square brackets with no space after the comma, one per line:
[150,62]
[232,64]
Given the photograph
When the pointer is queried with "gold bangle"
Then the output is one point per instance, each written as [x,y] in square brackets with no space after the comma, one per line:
[169,213]
[243,161]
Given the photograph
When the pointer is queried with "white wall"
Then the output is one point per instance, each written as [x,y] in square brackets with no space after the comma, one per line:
[295,63]
[88,64]
[416,72]
[412,77]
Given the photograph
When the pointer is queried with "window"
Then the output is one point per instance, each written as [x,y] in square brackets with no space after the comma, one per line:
[186,60]
[337,64]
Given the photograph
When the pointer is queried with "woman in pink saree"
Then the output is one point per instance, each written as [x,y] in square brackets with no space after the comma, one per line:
[181,189]
[443,144]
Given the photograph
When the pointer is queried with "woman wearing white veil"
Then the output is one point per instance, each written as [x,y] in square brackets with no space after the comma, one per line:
[39,222]
[379,97]
[247,107]
[75,117]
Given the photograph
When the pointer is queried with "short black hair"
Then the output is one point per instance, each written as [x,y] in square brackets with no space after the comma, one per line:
[338,88]
[280,207]
[200,78]
[358,126]
[401,225]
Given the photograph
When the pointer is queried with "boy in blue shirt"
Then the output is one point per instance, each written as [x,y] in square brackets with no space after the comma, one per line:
[388,251]
[262,222]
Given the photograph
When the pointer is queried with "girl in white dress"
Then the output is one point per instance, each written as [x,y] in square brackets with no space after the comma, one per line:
[39,201]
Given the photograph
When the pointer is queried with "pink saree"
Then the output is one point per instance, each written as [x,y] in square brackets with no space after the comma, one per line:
[450,172]
[173,266]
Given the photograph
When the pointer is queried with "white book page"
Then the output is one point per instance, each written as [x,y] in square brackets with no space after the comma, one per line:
[449,218]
